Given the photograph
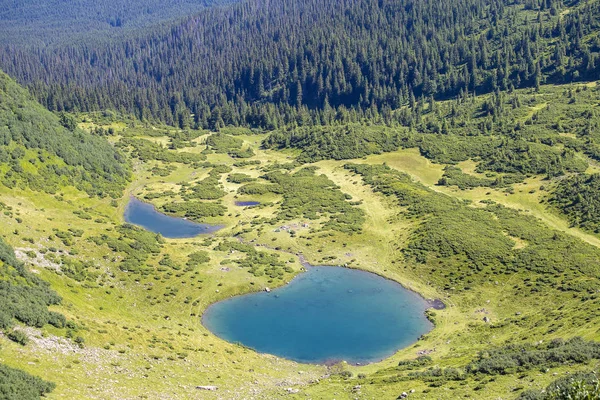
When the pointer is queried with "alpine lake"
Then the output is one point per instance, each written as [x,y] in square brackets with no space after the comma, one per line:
[324,315]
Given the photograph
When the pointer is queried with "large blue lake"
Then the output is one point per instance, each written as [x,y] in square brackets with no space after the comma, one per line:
[146,216]
[324,315]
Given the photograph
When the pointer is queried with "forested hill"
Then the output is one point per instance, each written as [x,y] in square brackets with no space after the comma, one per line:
[54,22]
[265,64]
[42,151]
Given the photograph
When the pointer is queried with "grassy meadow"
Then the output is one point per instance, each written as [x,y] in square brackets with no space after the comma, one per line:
[138,310]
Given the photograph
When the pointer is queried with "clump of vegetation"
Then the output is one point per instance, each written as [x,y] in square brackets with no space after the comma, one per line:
[207,189]
[256,188]
[308,195]
[77,269]
[180,139]
[194,210]
[18,337]
[239,178]
[577,386]
[25,297]
[146,150]
[245,163]
[258,263]
[221,143]
[578,197]
[505,360]
[338,142]
[197,258]
[137,244]
[17,384]
[418,362]
[454,176]
[516,358]
[163,171]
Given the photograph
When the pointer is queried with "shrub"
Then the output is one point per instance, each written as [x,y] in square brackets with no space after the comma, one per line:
[18,337]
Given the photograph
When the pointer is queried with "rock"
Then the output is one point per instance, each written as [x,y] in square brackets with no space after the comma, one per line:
[356,388]
[291,390]
[403,395]
[412,391]
[486,320]
[211,388]
[267,290]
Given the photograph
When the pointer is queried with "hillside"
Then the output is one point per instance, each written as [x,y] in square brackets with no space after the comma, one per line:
[25,300]
[312,62]
[55,22]
[461,216]
[451,147]
[40,151]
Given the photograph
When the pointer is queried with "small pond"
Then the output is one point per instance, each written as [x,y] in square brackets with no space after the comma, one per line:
[324,315]
[247,203]
[146,216]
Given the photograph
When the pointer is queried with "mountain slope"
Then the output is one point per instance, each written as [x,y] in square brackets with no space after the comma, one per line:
[265,65]
[25,299]
[38,152]
[57,21]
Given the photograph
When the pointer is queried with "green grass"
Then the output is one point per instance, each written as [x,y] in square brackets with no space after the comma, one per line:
[135,334]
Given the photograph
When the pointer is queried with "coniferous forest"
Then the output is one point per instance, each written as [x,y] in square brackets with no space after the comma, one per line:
[310,62]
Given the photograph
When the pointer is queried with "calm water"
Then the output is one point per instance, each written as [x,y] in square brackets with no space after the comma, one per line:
[247,203]
[325,314]
[146,216]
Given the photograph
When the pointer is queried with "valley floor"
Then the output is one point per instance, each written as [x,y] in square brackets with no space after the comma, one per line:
[142,330]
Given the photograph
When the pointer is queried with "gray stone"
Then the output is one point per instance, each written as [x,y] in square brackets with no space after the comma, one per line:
[211,388]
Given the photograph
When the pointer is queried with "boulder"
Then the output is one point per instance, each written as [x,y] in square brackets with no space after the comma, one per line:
[211,388]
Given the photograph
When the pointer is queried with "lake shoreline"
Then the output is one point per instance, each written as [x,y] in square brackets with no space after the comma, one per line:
[436,304]
[149,211]
[148,217]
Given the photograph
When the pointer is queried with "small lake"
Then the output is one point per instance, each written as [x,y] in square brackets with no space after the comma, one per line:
[145,215]
[324,315]
[247,203]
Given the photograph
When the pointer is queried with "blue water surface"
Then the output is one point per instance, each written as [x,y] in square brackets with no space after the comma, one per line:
[324,315]
[247,203]
[146,216]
